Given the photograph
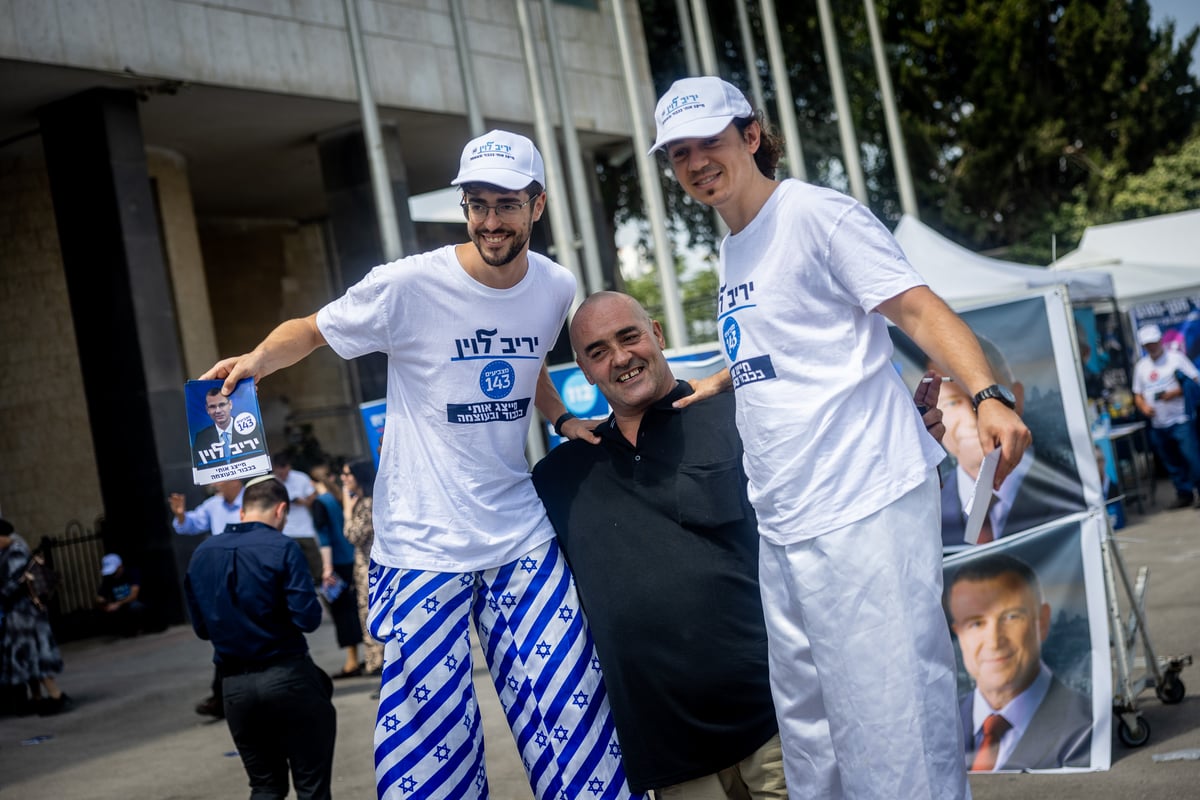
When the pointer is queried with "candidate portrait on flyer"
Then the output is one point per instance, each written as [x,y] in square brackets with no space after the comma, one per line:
[227,437]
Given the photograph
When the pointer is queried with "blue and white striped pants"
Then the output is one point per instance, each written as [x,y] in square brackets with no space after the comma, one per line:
[428,736]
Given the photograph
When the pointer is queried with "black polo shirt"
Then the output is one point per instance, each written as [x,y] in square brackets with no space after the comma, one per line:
[664,547]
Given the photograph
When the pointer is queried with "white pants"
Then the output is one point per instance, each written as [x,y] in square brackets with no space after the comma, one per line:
[862,668]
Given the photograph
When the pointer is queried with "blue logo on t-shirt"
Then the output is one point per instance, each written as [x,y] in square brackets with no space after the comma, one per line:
[497,378]
[731,334]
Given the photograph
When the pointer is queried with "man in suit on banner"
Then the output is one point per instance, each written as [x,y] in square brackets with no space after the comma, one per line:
[1033,494]
[1019,716]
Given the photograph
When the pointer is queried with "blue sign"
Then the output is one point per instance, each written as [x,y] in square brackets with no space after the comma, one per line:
[585,401]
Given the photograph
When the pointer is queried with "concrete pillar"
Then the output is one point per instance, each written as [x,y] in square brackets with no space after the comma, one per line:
[173,196]
[125,325]
[356,243]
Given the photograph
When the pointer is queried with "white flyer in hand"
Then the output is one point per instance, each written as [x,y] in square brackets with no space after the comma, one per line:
[981,497]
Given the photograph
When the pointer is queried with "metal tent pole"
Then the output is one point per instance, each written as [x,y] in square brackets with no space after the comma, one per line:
[381,184]
[783,91]
[841,103]
[648,174]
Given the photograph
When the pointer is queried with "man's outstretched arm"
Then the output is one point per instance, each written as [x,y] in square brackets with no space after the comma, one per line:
[284,346]
[948,340]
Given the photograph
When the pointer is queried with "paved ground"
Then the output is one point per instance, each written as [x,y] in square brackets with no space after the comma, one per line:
[134,733]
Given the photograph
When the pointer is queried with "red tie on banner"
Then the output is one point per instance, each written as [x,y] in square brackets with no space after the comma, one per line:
[994,728]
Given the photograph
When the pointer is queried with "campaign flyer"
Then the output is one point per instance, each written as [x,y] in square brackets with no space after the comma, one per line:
[225,432]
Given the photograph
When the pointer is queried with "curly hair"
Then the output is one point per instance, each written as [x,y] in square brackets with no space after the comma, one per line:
[770,147]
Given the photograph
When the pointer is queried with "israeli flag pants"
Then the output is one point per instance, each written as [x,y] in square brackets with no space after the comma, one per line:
[862,667]
[428,733]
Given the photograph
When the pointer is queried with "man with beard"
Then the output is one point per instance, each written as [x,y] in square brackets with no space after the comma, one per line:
[459,529]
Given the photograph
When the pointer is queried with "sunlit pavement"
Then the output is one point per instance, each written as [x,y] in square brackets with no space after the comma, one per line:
[134,734]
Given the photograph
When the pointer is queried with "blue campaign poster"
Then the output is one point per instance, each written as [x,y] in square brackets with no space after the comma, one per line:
[225,432]
[373,415]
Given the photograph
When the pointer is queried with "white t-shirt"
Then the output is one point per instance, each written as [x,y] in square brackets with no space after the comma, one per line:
[453,492]
[830,431]
[299,523]
[1151,376]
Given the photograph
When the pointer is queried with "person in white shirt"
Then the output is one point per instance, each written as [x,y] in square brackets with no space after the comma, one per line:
[302,494]
[459,530]
[842,473]
[1158,394]
[1019,715]
[299,526]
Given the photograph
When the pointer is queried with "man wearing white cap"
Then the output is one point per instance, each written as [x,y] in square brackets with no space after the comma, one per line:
[841,472]
[117,597]
[459,529]
[1158,393]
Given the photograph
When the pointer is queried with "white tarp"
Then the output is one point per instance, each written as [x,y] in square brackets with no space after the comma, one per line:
[1149,259]
[961,277]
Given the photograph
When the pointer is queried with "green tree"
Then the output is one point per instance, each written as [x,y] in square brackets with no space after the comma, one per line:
[698,295]
[1017,114]
[1170,185]
[1013,108]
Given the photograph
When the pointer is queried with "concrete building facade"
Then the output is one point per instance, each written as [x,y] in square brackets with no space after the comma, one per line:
[178,176]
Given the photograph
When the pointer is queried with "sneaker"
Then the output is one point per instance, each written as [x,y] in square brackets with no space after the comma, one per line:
[211,707]
[49,706]
[348,673]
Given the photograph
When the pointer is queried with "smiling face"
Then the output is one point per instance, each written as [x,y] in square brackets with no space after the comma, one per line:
[502,241]
[1000,625]
[712,169]
[621,352]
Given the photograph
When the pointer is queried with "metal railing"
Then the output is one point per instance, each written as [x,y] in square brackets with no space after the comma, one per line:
[75,558]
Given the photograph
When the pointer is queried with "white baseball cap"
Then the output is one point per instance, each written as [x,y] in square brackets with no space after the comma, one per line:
[1149,334]
[110,564]
[697,107]
[503,159]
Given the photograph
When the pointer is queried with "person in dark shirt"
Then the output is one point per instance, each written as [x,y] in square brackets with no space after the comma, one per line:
[117,598]
[663,543]
[250,593]
[664,547]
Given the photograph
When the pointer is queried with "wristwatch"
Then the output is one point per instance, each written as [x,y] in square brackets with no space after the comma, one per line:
[995,392]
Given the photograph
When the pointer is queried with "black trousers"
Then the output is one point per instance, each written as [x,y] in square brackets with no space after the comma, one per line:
[282,717]
[344,610]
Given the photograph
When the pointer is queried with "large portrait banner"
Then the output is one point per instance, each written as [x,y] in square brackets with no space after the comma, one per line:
[1028,617]
[1031,345]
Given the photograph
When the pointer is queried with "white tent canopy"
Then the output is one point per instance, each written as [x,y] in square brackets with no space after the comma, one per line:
[1149,259]
[961,277]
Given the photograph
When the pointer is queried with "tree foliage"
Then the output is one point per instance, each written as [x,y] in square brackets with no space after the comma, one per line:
[698,296]
[1013,109]
[1022,118]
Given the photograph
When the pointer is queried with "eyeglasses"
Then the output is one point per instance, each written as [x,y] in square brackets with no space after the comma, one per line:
[474,210]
